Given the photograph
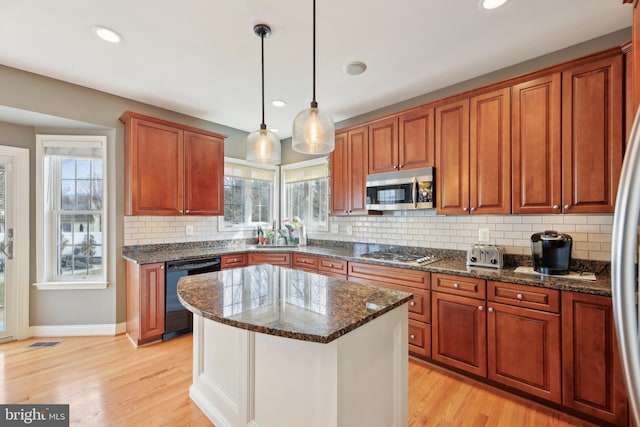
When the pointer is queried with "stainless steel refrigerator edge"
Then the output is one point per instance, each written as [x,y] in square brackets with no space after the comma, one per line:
[623,272]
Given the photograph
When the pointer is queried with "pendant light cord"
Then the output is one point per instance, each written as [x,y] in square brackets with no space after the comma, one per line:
[314,104]
[262,125]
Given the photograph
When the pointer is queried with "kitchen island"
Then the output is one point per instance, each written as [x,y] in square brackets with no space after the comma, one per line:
[280,347]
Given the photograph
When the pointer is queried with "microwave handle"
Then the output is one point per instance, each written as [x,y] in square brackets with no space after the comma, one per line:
[414,193]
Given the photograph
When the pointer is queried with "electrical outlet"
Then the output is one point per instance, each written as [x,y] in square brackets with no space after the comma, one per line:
[349,230]
[189,230]
[335,228]
[483,235]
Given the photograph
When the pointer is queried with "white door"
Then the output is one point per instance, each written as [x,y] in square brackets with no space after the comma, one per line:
[14,243]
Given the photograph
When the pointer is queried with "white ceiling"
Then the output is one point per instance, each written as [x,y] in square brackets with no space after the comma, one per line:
[201,57]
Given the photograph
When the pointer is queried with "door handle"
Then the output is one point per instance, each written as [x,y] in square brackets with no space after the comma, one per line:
[8,249]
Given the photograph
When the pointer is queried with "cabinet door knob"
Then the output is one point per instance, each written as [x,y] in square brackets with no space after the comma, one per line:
[473,208]
[465,209]
[456,286]
[490,309]
[519,296]
[413,337]
[412,303]
[187,211]
[400,166]
[567,206]
[395,167]
[480,308]
[162,268]
[555,207]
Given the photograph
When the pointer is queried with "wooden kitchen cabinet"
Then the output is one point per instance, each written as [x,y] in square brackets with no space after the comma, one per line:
[458,332]
[403,141]
[145,302]
[348,166]
[305,262]
[536,143]
[592,135]
[473,155]
[592,373]
[414,282]
[234,260]
[523,344]
[282,259]
[332,267]
[171,169]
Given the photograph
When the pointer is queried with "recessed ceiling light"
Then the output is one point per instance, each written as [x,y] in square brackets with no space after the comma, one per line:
[278,103]
[107,34]
[355,68]
[492,4]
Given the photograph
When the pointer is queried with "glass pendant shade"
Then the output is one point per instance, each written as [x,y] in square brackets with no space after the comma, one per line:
[263,147]
[313,132]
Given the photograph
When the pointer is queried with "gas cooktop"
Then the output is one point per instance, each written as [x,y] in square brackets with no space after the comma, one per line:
[421,259]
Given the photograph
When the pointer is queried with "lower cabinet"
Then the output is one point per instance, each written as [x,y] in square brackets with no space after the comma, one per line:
[283,259]
[145,302]
[305,262]
[524,343]
[233,261]
[592,376]
[332,267]
[411,281]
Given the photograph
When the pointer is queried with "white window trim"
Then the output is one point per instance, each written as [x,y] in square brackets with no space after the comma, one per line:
[43,258]
[276,194]
[283,180]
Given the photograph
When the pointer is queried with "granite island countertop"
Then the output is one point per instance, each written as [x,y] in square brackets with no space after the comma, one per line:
[285,302]
[451,262]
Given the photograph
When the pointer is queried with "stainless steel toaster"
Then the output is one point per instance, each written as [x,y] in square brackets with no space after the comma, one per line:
[480,255]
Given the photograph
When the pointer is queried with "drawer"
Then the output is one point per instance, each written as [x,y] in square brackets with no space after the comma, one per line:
[305,262]
[457,285]
[419,338]
[281,259]
[524,296]
[391,275]
[330,265]
[235,260]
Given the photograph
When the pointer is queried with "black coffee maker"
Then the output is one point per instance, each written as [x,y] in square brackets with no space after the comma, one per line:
[551,252]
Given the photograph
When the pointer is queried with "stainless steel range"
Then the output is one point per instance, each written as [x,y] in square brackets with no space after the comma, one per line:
[406,257]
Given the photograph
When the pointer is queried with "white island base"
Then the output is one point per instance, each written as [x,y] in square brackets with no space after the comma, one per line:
[244,378]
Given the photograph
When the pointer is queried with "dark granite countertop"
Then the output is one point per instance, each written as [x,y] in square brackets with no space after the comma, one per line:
[452,262]
[285,302]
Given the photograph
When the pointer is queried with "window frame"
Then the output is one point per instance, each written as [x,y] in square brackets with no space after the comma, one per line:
[284,169]
[274,201]
[46,228]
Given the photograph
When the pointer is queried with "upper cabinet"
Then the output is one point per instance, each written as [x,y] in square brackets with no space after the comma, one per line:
[473,155]
[403,141]
[171,169]
[592,136]
[348,166]
[568,140]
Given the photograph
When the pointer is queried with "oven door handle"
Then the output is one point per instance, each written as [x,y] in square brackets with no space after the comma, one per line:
[414,193]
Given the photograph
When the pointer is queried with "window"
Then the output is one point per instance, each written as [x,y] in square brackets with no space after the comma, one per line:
[71,210]
[305,192]
[250,192]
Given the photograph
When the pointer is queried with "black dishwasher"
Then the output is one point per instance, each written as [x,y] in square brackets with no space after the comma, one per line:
[177,319]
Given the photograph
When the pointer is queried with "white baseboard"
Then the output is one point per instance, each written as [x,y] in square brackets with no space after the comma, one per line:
[76,330]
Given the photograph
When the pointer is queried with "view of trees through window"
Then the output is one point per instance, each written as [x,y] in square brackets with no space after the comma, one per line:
[308,201]
[247,201]
[79,217]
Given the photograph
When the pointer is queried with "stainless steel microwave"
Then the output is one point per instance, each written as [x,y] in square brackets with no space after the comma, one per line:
[406,189]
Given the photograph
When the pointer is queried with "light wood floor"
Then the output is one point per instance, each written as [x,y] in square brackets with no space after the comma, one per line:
[107,382]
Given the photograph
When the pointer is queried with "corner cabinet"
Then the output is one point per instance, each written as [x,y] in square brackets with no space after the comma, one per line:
[348,166]
[171,169]
[473,155]
[145,302]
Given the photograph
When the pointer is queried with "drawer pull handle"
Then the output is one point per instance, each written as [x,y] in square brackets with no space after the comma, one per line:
[480,308]
[490,309]
[519,296]
[412,303]
[413,337]
[456,286]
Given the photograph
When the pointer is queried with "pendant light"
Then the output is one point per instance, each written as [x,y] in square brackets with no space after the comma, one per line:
[313,130]
[262,145]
